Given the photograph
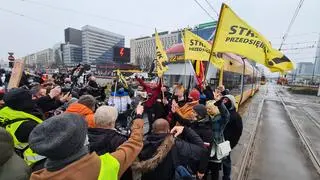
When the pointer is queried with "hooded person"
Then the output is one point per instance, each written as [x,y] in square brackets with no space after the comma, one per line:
[85,107]
[232,132]
[11,165]
[162,152]
[62,140]
[19,117]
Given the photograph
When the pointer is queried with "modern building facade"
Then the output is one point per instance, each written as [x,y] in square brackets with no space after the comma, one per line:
[41,59]
[30,59]
[143,49]
[73,36]
[44,58]
[72,54]
[98,44]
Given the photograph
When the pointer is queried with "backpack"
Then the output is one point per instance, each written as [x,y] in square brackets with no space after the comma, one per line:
[181,172]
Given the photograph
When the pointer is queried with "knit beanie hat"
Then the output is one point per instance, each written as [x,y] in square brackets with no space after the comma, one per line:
[194,95]
[19,99]
[6,144]
[200,109]
[60,137]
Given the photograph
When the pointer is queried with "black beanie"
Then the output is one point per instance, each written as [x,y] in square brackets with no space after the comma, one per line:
[19,99]
[200,109]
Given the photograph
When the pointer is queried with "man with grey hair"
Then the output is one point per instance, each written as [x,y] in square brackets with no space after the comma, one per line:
[104,137]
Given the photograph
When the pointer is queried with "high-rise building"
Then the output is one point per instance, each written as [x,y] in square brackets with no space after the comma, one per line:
[72,54]
[143,48]
[304,68]
[73,36]
[98,44]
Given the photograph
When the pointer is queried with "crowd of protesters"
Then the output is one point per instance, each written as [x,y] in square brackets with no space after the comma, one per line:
[57,130]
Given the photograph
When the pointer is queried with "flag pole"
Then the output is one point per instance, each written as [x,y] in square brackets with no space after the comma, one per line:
[185,64]
[214,38]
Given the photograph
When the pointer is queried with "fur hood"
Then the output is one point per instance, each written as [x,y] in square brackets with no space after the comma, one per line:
[161,152]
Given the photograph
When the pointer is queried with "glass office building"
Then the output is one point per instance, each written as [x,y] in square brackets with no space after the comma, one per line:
[98,44]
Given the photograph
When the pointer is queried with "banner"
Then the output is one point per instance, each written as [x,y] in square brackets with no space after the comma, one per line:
[161,57]
[122,79]
[195,48]
[236,36]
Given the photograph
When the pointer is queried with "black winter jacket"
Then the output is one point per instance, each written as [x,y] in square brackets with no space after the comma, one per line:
[46,104]
[233,129]
[106,141]
[157,156]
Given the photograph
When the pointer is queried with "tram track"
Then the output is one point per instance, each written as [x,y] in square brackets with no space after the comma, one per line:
[253,154]
[304,138]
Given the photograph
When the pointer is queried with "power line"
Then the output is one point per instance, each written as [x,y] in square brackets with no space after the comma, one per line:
[24,16]
[298,43]
[86,13]
[298,35]
[212,8]
[204,9]
[306,58]
[298,48]
[291,22]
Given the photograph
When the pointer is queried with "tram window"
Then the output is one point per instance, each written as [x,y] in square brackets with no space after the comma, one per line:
[247,81]
[232,81]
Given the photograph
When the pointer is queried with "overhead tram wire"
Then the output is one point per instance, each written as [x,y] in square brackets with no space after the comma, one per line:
[204,10]
[86,13]
[217,14]
[25,16]
[297,35]
[291,23]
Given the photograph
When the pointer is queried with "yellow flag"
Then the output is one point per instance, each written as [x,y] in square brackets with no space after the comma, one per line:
[236,36]
[162,58]
[217,61]
[122,79]
[195,48]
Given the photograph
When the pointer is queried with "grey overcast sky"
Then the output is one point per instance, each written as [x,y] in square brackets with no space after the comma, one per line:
[27,26]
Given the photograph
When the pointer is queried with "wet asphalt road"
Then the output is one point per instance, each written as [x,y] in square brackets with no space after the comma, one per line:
[279,154]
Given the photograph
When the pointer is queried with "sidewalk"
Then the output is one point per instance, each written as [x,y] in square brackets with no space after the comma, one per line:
[249,113]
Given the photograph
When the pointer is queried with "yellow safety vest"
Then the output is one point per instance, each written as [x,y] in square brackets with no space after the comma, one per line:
[109,168]
[8,117]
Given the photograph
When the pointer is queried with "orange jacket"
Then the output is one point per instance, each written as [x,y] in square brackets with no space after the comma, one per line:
[84,111]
